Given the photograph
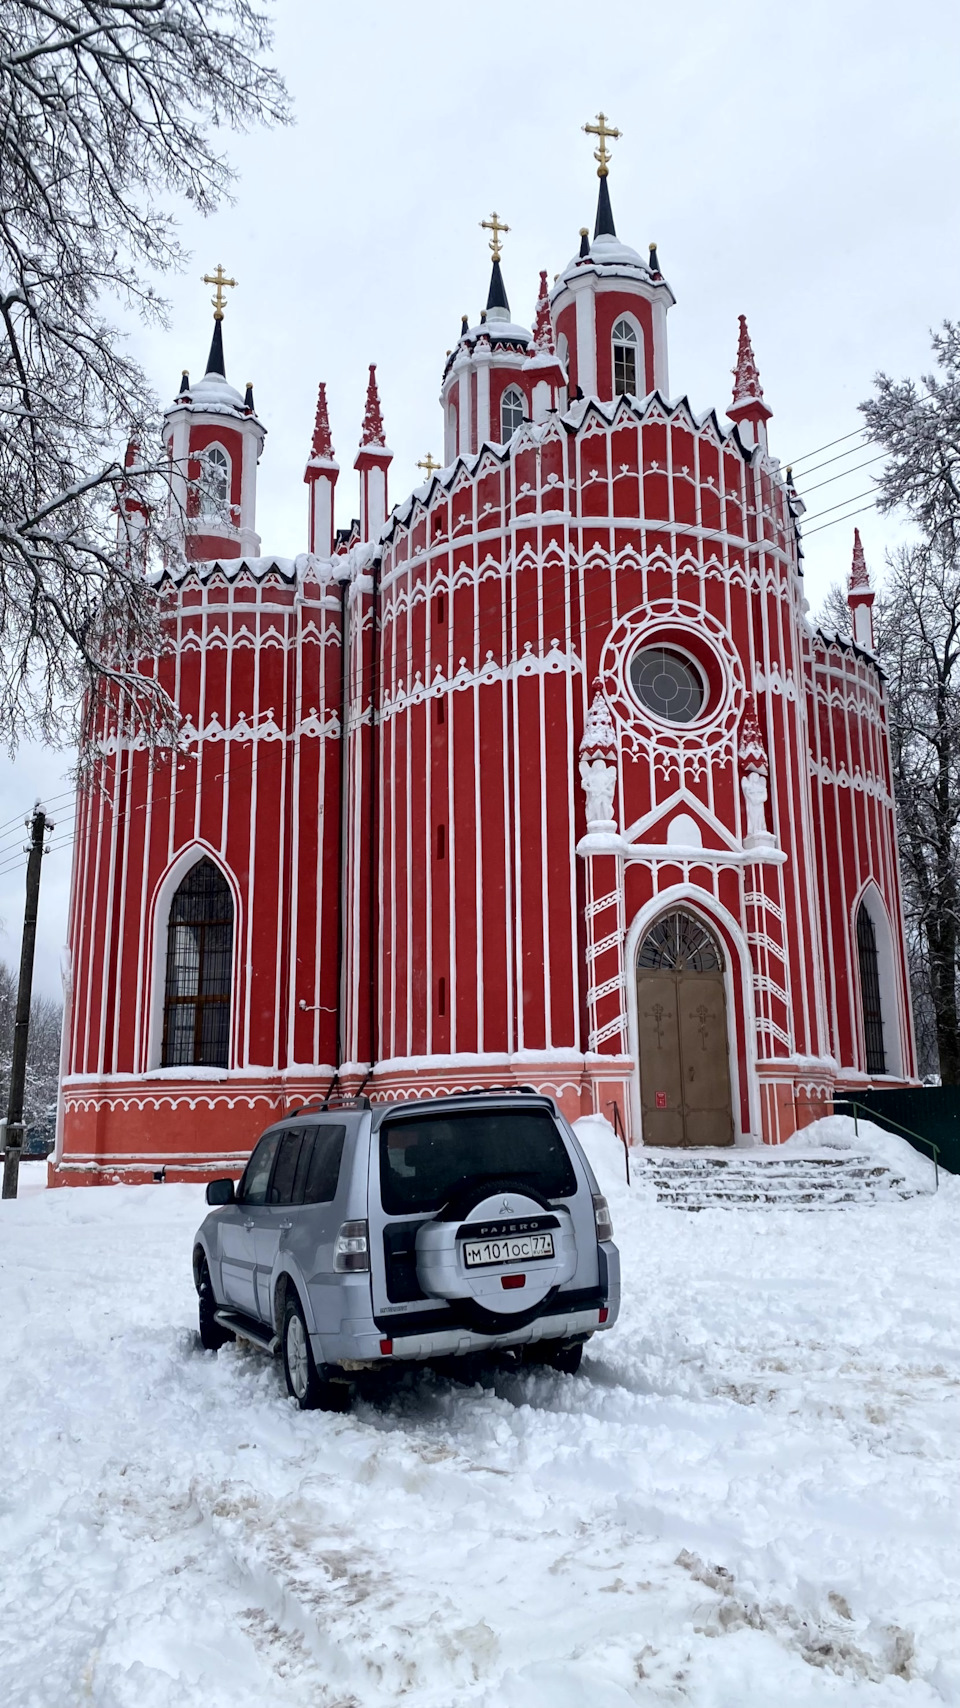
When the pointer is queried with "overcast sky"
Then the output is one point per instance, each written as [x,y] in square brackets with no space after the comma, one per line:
[797,165]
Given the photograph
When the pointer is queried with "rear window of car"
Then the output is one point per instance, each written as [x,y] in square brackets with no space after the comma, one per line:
[423,1162]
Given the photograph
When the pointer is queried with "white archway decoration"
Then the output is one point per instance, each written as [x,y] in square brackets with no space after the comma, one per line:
[156,964]
[891,1019]
[737,964]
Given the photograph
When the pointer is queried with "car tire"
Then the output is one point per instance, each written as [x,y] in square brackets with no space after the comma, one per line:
[308,1385]
[213,1335]
[563,1355]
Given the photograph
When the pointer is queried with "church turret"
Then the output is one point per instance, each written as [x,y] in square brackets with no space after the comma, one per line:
[485,396]
[321,476]
[214,441]
[372,462]
[748,409]
[860,596]
[610,306]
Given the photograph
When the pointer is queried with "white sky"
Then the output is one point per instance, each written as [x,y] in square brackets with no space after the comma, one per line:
[798,165]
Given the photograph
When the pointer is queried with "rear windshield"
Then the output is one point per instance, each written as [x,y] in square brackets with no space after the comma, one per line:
[422,1163]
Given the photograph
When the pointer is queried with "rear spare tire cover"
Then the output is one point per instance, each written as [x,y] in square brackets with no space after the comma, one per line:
[497,1250]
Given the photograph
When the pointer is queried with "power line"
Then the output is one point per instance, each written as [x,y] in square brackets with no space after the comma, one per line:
[848,518]
[843,473]
[857,433]
[854,496]
[837,459]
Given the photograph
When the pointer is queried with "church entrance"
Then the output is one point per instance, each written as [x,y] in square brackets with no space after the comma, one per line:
[682,1024]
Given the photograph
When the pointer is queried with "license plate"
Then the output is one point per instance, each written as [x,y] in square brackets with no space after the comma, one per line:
[521,1248]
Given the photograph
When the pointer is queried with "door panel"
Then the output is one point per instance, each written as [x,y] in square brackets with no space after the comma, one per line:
[238,1259]
[661,1083]
[703,1053]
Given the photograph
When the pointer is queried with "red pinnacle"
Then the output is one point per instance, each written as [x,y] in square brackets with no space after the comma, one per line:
[372,419]
[322,442]
[746,375]
[542,326]
[753,755]
[859,573]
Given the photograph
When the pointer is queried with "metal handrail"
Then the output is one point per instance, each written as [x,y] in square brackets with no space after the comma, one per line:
[852,1103]
[619,1129]
[879,1120]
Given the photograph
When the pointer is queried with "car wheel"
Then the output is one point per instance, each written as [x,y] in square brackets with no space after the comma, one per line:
[213,1335]
[305,1383]
[563,1355]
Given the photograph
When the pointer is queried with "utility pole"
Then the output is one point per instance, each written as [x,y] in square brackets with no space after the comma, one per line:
[21,1034]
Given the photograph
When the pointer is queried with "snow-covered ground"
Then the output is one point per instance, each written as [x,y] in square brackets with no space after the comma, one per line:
[747,1498]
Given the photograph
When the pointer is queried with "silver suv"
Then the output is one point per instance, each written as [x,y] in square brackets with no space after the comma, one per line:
[359,1237]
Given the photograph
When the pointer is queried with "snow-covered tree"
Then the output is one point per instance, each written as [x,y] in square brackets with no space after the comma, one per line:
[917,629]
[43,1057]
[105,110]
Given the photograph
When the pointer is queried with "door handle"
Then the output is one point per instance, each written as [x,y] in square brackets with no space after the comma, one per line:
[248,1227]
[285,1227]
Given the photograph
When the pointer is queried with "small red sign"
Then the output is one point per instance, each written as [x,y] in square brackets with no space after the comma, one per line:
[661,1100]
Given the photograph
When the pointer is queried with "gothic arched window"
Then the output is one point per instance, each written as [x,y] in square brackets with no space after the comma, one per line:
[511,412]
[214,481]
[624,359]
[196,1008]
[870,992]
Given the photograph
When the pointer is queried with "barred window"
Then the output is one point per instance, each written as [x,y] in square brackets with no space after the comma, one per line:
[196,1012]
[870,992]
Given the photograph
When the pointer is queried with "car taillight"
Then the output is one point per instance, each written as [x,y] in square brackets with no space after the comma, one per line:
[602,1216]
[352,1250]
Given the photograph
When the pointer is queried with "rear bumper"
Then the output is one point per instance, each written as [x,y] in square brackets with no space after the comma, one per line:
[418,1336]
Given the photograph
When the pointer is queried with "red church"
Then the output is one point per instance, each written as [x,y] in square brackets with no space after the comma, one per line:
[541,776]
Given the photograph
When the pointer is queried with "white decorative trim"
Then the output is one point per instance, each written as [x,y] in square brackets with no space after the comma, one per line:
[555,661]
[842,779]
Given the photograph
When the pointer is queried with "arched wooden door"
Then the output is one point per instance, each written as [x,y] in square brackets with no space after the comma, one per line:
[682,1024]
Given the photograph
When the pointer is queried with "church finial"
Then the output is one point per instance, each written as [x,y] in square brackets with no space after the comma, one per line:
[543,325]
[219,278]
[604,226]
[859,573]
[746,374]
[184,383]
[602,154]
[654,263]
[494,224]
[584,242]
[497,294]
[372,433]
[215,358]
[322,444]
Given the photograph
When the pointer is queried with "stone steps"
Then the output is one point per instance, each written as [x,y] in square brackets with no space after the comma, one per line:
[760,1180]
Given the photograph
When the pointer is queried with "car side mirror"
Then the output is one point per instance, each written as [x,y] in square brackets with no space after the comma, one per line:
[221,1191]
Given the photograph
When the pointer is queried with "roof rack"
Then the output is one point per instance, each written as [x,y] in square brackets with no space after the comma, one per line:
[334,1100]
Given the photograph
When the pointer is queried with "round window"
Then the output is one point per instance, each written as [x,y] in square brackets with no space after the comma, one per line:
[667,684]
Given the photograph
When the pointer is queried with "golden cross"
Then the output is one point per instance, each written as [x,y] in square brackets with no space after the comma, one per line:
[602,130]
[429,464]
[219,278]
[495,225]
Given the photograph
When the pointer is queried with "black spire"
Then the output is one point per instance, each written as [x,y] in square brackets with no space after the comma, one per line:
[248,400]
[184,384]
[584,242]
[215,358]
[464,326]
[497,296]
[654,263]
[604,226]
